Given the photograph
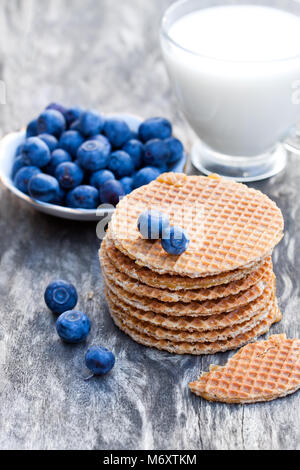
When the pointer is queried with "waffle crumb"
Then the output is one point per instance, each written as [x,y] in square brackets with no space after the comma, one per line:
[214,176]
[91,295]
[173,179]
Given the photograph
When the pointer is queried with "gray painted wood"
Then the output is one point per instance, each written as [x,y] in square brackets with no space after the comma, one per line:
[106,55]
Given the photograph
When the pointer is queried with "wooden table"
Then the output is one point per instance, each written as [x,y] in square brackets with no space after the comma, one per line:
[106,55]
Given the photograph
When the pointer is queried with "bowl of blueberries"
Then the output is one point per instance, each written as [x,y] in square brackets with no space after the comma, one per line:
[77,164]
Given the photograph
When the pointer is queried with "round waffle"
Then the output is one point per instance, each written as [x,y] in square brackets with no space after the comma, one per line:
[192,309]
[197,348]
[229,225]
[260,371]
[178,336]
[213,322]
[128,266]
[135,287]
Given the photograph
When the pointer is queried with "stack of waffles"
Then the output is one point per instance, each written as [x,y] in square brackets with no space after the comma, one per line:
[220,293]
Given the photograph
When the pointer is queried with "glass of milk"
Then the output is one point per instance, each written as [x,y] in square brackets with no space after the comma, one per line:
[235,68]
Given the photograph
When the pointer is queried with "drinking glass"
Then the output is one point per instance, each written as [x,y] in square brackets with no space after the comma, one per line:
[241,111]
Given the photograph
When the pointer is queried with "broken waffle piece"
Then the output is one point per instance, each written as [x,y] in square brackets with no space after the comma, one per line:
[261,371]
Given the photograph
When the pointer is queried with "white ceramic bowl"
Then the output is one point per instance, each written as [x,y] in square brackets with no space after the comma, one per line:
[8,147]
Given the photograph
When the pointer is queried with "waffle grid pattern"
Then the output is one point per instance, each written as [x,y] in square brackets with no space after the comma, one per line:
[260,371]
[167,281]
[229,225]
[195,348]
[192,309]
[142,290]
[160,332]
[213,322]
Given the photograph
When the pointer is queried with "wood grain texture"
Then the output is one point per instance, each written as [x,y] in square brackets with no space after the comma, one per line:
[106,54]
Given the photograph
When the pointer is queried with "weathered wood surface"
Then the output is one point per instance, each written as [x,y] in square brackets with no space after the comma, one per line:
[105,54]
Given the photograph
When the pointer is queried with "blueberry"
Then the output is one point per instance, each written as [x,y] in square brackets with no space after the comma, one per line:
[99,360]
[49,140]
[75,126]
[70,141]
[156,153]
[163,168]
[73,114]
[100,177]
[155,128]
[31,130]
[69,175]
[145,176]
[18,164]
[93,155]
[36,152]
[23,176]
[19,150]
[73,326]
[176,149]
[58,156]
[135,149]
[103,140]
[134,135]
[44,188]
[127,183]
[176,241]
[152,224]
[60,198]
[57,107]
[117,132]
[121,164]
[90,123]
[60,296]
[83,197]
[111,192]
[51,122]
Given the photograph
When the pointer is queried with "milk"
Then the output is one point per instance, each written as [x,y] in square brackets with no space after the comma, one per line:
[235,70]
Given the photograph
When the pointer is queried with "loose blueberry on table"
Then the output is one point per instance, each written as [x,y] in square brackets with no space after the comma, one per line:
[99,360]
[94,160]
[73,326]
[60,296]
